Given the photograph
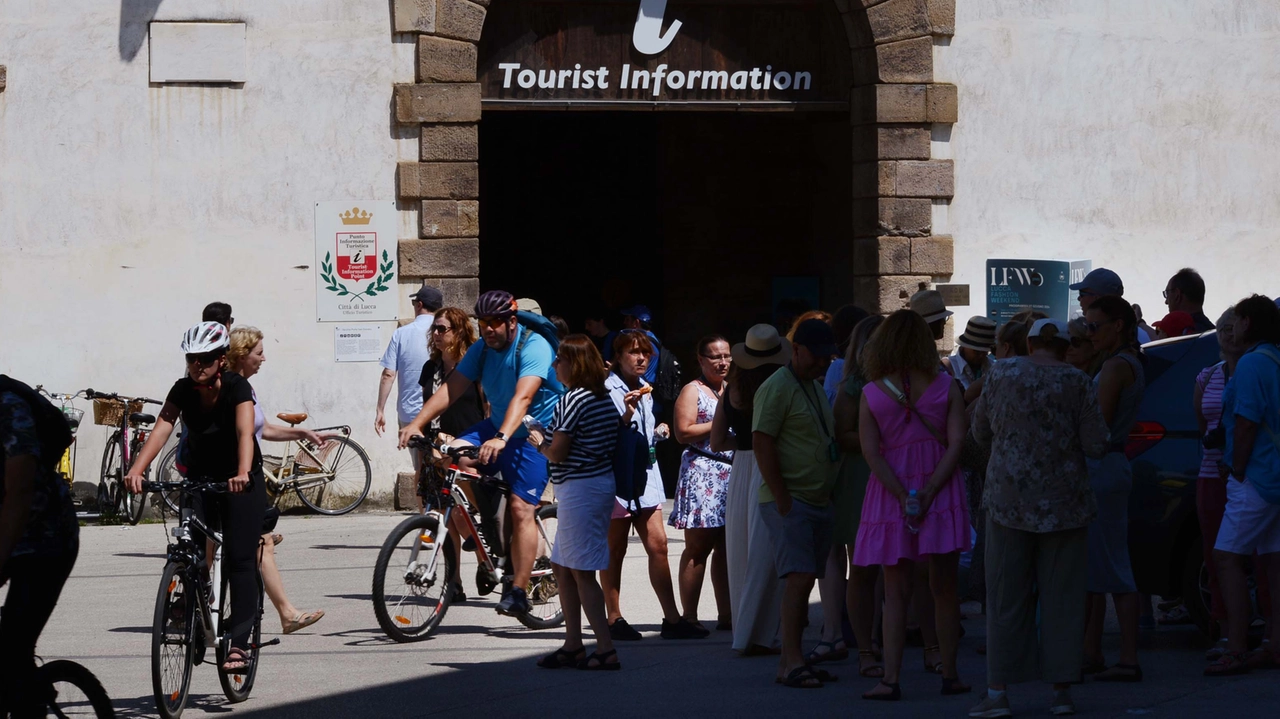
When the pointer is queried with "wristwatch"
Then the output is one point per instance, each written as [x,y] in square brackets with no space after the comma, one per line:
[500,436]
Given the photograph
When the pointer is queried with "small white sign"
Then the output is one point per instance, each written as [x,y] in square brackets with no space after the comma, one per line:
[357,343]
[356,262]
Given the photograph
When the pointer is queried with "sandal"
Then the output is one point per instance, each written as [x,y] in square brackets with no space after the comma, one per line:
[561,658]
[830,655]
[237,656]
[952,687]
[1121,673]
[935,667]
[302,621]
[823,675]
[1229,664]
[875,671]
[1261,658]
[802,677]
[600,664]
[895,693]
[1216,651]
[276,539]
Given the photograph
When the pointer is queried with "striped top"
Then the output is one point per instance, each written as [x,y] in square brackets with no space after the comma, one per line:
[593,423]
[1212,382]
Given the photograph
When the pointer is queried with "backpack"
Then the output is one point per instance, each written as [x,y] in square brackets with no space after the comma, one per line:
[52,427]
[631,466]
[530,324]
[666,384]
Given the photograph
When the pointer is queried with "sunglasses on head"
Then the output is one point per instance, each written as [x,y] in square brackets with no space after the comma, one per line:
[441,329]
[204,359]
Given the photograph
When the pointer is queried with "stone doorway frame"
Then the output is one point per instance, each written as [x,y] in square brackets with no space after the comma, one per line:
[896,109]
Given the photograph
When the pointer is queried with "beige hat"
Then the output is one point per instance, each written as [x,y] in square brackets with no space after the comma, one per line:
[529,305]
[930,305]
[763,346]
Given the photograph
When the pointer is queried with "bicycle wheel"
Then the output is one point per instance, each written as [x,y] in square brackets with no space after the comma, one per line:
[173,641]
[236,687]
[76,691]
[543,591]
[342,484]
[132,506]
[168,472]
[409,604]
[110,477]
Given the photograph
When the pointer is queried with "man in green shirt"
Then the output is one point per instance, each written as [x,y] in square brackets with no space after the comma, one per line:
[794,435]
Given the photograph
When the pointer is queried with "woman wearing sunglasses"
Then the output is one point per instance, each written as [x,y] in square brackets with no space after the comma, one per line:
[217,409]
[451,335]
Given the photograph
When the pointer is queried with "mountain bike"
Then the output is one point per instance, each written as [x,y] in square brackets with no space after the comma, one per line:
[67,464]
[131,430]
[416,574]
[192,607]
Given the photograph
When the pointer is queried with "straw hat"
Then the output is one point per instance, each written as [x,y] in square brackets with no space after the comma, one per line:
[930,305]
[979,334]
[763,346]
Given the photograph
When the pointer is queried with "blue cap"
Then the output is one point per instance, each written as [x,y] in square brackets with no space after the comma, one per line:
[817,336]
[639,312]
[1101,282]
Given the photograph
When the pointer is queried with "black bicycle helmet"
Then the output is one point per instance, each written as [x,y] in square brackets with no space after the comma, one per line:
[496,303]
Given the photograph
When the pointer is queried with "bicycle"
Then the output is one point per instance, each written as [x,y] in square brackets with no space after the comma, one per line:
[131,430]
[191,609]
[412,593]
[331,479]
[67,464]
[70,690]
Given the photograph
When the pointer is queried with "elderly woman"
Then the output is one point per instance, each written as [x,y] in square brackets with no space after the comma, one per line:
[1040,416]
[1082,354]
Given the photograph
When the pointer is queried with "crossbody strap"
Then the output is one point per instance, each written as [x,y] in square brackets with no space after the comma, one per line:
[903,400]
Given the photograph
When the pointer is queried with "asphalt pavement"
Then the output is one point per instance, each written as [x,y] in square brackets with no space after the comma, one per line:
[483,664]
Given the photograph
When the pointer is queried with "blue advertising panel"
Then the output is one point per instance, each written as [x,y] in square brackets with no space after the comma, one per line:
[1015,285]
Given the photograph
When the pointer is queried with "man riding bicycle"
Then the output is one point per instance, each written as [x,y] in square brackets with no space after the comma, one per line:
[514,367]
[39,538]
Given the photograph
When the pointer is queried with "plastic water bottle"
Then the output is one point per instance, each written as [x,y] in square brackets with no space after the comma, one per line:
[913,512]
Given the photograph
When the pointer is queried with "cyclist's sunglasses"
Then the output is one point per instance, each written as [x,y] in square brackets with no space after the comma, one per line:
[493,323]
[204,359]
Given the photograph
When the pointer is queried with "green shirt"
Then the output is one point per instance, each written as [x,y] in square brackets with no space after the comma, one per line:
[797,415]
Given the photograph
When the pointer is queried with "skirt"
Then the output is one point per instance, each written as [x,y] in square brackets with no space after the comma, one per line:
[582,522]
[1109,570]
[847,496]
[701,493]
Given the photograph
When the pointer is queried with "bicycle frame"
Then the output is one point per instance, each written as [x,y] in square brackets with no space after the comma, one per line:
[286,478]
[186,552]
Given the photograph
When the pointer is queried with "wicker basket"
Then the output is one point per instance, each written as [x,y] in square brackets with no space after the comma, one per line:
[110,412]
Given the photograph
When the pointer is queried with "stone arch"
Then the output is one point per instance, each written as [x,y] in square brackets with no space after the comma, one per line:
[896,110]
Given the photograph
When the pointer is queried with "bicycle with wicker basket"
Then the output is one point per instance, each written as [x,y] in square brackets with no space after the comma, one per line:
[132,427]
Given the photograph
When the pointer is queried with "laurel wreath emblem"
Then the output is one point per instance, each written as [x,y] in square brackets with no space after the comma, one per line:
[377,286]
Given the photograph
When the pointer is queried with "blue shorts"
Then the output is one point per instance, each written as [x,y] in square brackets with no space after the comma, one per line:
[522,466]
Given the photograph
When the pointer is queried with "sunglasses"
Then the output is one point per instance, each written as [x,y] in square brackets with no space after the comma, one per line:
[493,323]
[204,359]
[441,329]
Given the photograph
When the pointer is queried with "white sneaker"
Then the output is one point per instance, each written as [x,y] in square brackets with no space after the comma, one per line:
[1062,704]
[990,708]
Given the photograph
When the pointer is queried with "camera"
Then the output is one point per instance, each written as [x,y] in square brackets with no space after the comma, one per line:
[1215,438]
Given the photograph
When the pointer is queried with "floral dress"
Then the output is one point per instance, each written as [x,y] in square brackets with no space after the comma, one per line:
[703,487]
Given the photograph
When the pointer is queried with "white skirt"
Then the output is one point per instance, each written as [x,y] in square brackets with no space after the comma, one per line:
[583,510]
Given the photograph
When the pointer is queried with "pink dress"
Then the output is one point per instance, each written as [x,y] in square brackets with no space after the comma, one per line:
[913,453]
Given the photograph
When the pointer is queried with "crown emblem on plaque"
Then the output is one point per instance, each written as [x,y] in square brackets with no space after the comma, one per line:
[355,216]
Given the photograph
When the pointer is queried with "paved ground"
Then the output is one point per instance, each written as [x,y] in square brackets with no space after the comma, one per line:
[482,663]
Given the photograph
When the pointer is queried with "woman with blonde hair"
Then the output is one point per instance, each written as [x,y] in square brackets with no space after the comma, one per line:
[245,358]
[911,426]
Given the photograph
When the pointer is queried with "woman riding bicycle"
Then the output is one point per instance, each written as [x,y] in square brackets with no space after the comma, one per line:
[217,409]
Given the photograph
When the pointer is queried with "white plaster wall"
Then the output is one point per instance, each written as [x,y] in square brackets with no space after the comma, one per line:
[1140,134]
[125,207]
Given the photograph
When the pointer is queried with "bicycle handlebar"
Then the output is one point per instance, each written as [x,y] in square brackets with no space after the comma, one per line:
[454,452]
[185,486]
[90,394]
[61,395]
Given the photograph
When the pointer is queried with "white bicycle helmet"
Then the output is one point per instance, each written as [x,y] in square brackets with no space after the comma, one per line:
[206,337]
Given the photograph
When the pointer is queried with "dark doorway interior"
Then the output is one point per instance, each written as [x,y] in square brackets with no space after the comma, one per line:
[692,214]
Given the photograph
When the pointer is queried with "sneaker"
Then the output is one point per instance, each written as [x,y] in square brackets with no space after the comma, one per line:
[1062,705]
[514,603]
[683,629]
[469,544]
[990,707]
[621,631]
[459,594]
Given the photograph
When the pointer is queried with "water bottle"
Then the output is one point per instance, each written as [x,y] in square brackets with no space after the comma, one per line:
[913,512]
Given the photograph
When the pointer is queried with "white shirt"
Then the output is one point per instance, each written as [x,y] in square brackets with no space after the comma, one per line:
[405,355]
[963,372]
[642,419]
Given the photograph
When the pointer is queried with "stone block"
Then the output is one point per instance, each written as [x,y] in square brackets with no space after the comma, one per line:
[866,67]
[907,217]
[442,60]
[885,294]
[437,102]
[882,256]
[459,19]
[900,103]
[450,218]
[439,180]
[4,77]
[905,61]
[440,258]
[933,256]
[865,179]
[406,497]
[942,104]
[450,143]
[903,143]
[917,178]
[414,15]
[895,20]
[942,17]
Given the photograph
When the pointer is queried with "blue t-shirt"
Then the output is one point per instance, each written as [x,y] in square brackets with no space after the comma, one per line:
[1254,393]
[500,376]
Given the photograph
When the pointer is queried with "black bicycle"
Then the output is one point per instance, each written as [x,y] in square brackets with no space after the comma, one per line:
[192,607]
[416,575]
[70,690]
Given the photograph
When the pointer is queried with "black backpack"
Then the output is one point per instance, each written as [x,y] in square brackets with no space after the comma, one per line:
[51,424]
[666,384]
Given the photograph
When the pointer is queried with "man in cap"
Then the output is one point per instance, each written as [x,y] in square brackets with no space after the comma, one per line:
[793,431]
[1105,283]
[404,358]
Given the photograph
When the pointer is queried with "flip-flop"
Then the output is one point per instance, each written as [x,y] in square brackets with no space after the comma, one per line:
[802,677]
[875,671]
[302,621]
[277,539]
[830,655]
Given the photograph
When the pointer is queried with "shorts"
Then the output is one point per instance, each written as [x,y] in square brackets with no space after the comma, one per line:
[522,466]
[1250,523]
[802,539]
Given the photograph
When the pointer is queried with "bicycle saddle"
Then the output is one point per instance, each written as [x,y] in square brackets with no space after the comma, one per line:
[140,418]
[292,417]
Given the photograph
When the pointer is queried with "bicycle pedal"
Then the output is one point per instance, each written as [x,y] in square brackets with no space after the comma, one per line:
[269,643]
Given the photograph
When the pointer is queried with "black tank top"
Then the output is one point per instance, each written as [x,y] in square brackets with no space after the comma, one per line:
[739,422]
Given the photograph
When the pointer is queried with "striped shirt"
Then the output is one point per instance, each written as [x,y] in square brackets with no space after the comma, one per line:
[1212,381]
[592,422]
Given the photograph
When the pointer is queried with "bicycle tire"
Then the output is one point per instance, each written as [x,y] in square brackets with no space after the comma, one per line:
[415,620]
[170,667]
[543,591]
[168,472]
[133,506]
[236,687]
[68,672]
[347,479]
[108,480]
